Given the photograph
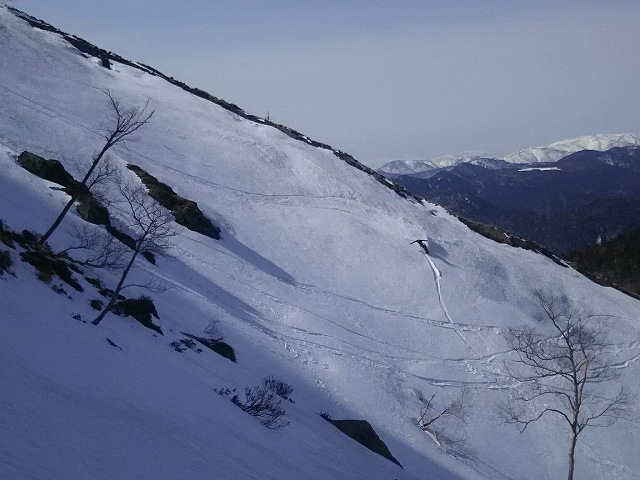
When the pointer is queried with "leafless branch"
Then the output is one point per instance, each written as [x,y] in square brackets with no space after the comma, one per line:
[106,172]
[568,375]
[213,330]
[105,251]
[444,422]
[153,228]
[124,121]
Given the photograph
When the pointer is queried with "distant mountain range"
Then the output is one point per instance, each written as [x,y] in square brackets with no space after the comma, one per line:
[550,153]
[564,204]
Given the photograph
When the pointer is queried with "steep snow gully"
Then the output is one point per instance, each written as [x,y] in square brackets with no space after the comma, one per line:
[315,281]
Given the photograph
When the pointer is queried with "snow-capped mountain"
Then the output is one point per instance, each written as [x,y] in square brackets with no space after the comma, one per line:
[316,280]
[563,205]
[409,167]
[550,153]
[558,150]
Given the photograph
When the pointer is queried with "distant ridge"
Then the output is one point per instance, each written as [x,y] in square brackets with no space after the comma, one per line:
[550,153]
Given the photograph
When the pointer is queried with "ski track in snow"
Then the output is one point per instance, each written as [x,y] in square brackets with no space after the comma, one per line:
[285,199]
[484,366]
[438,276]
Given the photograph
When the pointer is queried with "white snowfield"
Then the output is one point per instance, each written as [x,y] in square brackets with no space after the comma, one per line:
[539,169]
[315,281]
[550,153]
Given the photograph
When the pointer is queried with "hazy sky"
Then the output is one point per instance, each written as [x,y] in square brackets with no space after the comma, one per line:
[386,80]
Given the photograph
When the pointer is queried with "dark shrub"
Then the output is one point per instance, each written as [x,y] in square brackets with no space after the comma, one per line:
[263,403]
[59,289]
[178,346]
[141,308]
[95,282]
[259,401]
[43,265]
[6,235]
[282,388]
[218,346]
[184,344]
[222,348]
[29,238]
[6,262]
[96,304]
[47,265]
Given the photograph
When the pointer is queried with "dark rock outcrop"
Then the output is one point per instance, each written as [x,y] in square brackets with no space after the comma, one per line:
[51,170]
[89,208]
[363,433]
[186,212]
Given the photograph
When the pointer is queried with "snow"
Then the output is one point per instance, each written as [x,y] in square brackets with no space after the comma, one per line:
[550,153]
[539,169]
[314,281]
[410,167]
[561,149]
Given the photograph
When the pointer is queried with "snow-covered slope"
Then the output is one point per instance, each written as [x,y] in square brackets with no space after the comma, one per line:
[315,281]
[550,153]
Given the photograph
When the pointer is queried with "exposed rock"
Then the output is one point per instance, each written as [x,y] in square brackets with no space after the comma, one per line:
[186,212]
[362,432]
[51,170]
[88,208]
[92,211]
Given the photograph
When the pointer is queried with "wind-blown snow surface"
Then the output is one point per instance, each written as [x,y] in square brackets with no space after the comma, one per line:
[314,281]
[550,153]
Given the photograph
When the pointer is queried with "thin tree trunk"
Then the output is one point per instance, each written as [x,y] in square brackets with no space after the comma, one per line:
[74,196]
[55,225]
[572,450]
[116,292]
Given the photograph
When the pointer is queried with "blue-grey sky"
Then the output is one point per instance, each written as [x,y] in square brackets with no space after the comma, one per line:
[386,80]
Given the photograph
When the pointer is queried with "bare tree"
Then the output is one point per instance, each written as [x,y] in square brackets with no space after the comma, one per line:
[105,172]
[570,375]
[442,421]
[213,330]
[264,403]
[153,229]
[105,251]
[124,122]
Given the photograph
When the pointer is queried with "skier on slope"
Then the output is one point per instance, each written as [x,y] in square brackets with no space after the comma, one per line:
[424,244]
